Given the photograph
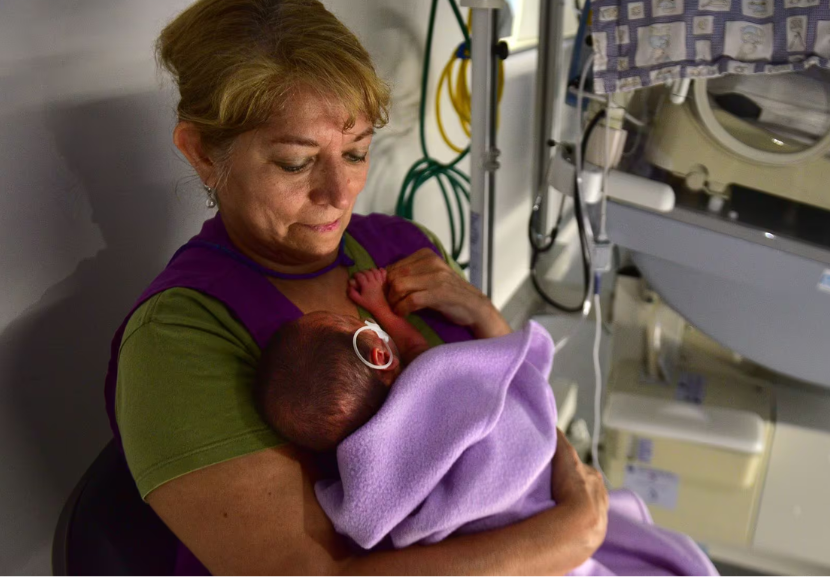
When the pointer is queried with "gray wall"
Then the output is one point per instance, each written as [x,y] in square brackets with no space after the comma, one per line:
[94,200]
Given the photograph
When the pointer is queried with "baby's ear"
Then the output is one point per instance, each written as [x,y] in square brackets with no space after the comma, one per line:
[379,355]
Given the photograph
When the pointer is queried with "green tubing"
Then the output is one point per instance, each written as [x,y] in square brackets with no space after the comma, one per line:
[454,184]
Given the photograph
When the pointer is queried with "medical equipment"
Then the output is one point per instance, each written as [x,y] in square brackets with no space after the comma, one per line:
[735,256]
[720,448]
[715,151]
[696,447]
[621,186]
[375,328]
[483,151]
[450,179]
[460,97]
[467,191]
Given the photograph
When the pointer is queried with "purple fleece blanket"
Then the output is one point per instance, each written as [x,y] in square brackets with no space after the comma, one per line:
[464,443]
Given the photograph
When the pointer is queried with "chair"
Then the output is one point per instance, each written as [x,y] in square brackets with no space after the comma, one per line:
[106,529]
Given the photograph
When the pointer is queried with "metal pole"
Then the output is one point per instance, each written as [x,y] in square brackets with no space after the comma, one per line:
[491,174]
[483,153]
[550,98]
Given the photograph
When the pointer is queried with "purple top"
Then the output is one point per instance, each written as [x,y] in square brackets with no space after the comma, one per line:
[210,264]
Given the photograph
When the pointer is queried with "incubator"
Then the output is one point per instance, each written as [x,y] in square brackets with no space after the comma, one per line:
[701,156]
[718,446]
[770,135]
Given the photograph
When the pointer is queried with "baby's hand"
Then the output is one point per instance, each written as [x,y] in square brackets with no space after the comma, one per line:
[368,289]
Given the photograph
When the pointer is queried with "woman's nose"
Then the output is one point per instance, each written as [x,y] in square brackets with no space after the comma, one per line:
[333,186]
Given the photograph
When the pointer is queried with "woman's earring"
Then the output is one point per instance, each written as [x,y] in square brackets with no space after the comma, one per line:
[211,196]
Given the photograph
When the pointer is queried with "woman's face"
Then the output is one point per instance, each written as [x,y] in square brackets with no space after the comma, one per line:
[292,183]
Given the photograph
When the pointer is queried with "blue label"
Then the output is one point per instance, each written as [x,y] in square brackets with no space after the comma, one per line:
[645,450]
[655,487]
[824,283]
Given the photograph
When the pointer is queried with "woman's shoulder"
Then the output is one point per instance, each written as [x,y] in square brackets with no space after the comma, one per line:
[190,310]
[183,399]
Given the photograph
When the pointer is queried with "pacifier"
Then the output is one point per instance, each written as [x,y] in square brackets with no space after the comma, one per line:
[375,328]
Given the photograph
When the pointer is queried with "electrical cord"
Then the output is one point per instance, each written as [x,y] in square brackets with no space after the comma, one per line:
[450,180]
[460,97]
[597,98]
[591,282]
[537,251]
[454,185]
[606,167]
[597,384]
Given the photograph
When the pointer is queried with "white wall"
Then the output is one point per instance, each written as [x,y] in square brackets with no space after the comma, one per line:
[94,201]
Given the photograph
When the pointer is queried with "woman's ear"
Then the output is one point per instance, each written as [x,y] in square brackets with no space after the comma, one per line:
[187,139]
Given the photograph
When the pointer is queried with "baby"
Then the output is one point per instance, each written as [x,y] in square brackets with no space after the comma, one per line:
[325,375]
[463,444]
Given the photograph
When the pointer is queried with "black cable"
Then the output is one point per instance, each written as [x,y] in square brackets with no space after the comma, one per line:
[537,251]
[531,226]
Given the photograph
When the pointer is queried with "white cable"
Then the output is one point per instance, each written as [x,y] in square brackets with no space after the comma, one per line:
[589,233]
[597,98]
[544,188]
[606,166]
[580,94]
[597,389]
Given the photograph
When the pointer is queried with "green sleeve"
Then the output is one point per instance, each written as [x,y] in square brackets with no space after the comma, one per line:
[183,400]
[444,254]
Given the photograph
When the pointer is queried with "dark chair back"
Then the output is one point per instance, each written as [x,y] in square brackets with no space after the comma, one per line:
[105,527]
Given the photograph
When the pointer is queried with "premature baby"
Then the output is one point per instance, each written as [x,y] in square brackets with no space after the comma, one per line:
[462,444]
[325,375]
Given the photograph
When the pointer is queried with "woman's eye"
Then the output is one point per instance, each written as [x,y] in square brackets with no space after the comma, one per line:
[356,158]
[292,168]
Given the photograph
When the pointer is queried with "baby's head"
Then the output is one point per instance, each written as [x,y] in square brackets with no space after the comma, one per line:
[313,388]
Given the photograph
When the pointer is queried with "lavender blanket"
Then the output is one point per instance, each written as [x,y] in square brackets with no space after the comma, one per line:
[464,443]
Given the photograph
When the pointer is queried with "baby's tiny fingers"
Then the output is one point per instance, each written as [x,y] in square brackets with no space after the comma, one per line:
[355,295]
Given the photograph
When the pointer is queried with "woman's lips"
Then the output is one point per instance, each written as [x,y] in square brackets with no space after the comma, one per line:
[332,226]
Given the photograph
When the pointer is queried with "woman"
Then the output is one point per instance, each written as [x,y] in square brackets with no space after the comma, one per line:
[278,106]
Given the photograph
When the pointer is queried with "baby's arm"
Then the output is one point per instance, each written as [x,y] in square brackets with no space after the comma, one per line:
[367,290]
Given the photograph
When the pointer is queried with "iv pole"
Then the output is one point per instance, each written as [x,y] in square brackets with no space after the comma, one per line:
[550,97]
[483,151]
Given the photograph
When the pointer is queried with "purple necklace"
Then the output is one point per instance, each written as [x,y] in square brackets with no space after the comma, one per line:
[342,259]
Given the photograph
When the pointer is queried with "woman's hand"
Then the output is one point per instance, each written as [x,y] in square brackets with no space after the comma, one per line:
[581,490]
[424,281]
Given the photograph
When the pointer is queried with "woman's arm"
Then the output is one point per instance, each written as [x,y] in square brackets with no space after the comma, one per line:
[424,280]
[258,515]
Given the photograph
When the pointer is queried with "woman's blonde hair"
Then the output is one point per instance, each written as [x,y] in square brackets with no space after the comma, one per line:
[236,60]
